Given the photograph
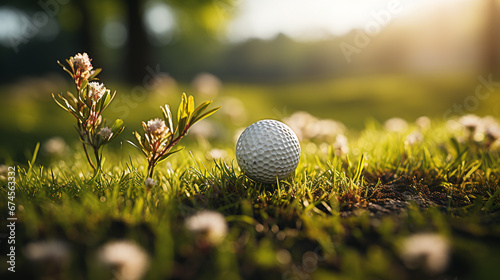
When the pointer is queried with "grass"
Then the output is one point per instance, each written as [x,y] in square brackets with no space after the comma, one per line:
[27,108]
[344,216]
[339,217]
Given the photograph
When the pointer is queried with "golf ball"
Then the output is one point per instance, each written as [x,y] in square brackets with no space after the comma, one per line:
[268,149]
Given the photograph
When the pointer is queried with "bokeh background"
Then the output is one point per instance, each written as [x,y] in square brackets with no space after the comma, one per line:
[349,61]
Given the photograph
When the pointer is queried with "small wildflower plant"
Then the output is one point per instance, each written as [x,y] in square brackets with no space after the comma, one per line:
[87,105]
[161,135]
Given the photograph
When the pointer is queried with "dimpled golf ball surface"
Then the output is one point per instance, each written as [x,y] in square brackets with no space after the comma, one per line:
[267,149]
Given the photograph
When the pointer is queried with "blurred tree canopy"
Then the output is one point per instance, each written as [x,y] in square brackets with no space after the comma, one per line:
[79,26]
[185,37]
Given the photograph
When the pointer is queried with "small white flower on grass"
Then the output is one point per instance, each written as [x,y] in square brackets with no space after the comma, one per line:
[207,84]
[204,129]
[209,226]
[125,259]
[423,122]
[471,122]
[327,130]
[428,251]
[217,154]
[234,110]
[308,127]
[493,132]
[150,182]
[96,90]
[395,125]
[414,138]
[54,146]
[106,133]
[341,146]
[53,252]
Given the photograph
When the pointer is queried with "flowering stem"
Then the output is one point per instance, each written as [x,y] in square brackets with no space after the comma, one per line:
[152,162]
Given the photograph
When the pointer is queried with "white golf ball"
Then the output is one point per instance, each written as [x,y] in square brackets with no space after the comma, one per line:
[268,149]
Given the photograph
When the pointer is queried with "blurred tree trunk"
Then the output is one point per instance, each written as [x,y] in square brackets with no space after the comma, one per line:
[138,47]
[492,38]
[86,40]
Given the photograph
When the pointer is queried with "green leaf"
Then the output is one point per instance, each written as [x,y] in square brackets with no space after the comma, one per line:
[73,98]
[138,137]
[120,130]
[104,102]
[206,115]
[35,153]
[65,69]
[190,105]
[60,105]
[181,112]
[200,109]
[137,147]
[182,115]
[133,144]
[168,117]
[359,169]
[165,156]
[68,107]
[70,63]
[182,125]
[118,124]
[84,84]
[96,72]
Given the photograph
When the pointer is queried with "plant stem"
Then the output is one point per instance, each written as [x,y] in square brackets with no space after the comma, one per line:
[97,158]
[88,157]
[152,162]
[151,168]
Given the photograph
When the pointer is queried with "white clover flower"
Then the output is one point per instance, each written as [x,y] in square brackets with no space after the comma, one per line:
[156,127]
[96,90]
[341,145]
[493,131]
[414,138]
[429,251]
[150,182]
[54,146]
[51,252]
[395,125]
[307,127]
[471,122]
[423,122]
[210,226]
[217,153]
[204,129]
[234,110]
[82,61]
[106,133]
[303,124]
[327,130]
[206,84]
[125,258]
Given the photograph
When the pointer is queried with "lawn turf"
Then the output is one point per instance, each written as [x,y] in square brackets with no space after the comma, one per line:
[339,217]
